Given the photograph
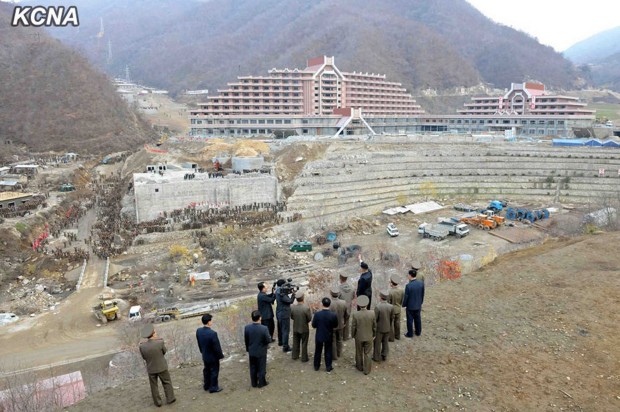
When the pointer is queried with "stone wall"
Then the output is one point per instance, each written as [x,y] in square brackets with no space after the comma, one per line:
[152,198]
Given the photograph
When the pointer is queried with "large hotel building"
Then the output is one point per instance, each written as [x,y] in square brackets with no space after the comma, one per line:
[322,100]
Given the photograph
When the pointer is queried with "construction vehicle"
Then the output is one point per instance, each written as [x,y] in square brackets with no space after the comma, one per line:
[106,311]
[500,220]
[455,228]
[163,315]
[435,232]
[479,221]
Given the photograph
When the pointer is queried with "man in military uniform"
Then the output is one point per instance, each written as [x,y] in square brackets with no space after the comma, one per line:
[153,351]
[339,307]
[384,313]
[347,293]
[301,315]
[395,298]
[363,330]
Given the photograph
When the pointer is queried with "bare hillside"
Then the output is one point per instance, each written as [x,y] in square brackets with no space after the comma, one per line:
[52,99]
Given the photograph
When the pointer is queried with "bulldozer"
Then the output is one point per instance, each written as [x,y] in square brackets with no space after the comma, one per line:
[106,311]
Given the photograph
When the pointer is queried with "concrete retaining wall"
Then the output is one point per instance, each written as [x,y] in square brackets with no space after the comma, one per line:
[353,182]
[154,198]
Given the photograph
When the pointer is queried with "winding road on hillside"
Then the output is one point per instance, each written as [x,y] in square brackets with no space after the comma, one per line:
[68,334]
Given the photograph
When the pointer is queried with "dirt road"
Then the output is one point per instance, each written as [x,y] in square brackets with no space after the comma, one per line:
[67,334]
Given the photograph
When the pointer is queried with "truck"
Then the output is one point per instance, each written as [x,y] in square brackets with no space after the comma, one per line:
[457,229]
[435,232]
[500,220]
[481,221]
[497,205]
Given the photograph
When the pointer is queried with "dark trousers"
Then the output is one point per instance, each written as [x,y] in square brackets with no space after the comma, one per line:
[210,373]
[300,339]
[258,370]
[414,319]
[279,326]
[318,350]
[270,325]
[166,382]
[284,330]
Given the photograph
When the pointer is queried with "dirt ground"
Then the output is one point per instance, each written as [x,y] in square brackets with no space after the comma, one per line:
[534,331]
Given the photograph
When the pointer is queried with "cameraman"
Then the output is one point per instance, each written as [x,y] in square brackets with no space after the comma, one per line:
[285,295]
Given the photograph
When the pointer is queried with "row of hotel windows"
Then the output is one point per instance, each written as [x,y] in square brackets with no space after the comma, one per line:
[496,121]
[243,121]
[496,101]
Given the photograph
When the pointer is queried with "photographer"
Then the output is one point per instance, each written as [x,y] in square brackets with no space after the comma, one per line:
[285,295]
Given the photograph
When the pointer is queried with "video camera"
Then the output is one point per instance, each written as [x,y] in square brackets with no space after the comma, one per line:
[288,287]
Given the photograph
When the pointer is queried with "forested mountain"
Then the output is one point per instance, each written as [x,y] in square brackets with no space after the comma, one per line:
[52,99]
[599,57]
[192,44]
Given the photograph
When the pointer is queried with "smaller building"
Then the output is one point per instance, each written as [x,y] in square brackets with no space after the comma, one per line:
[12,200]
[9,185]
[29,170]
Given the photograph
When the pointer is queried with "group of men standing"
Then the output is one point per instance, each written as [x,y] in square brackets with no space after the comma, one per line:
[335,322]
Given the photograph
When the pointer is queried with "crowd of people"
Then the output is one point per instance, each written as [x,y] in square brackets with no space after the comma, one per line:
[345,314]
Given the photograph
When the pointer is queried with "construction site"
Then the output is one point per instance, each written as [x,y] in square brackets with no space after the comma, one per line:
[173,231]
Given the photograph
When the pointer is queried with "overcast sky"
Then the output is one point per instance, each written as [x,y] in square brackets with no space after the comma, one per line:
[556,23]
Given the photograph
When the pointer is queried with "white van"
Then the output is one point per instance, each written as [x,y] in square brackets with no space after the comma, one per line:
[392,230]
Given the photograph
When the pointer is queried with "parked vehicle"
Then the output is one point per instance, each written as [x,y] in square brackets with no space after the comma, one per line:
[497,205]
[301,246]
[435,232]
[392,230]
[491,215]
[455,228]
[480,221]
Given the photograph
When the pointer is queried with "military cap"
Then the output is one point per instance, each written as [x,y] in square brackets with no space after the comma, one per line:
[344,275]
[395,279]
[147,331]
[416,265]
[384,294]
[334,291]
[299,294]
[362,300]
